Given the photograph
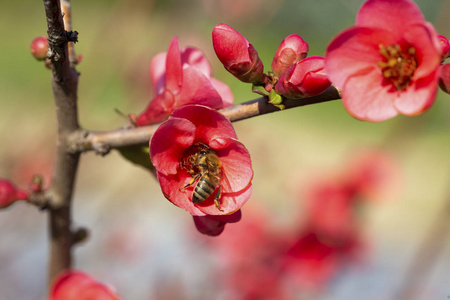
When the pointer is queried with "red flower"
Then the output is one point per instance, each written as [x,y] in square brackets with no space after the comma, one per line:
[305,79]
[197,148]
[237,55]
[180,78]
[388,63]
[445,46]
[291,50]
[444,81]
[75,285]
[10,194]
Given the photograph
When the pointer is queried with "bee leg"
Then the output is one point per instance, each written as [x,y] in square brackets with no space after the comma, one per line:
[192,181]
[217,198]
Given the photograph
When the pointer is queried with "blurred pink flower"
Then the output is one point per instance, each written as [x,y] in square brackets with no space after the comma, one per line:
[304,79]
[291,50]
[180,78]
[237,55]
[76,285]
[388,63]
[175,148]
[214,225]
[10,194]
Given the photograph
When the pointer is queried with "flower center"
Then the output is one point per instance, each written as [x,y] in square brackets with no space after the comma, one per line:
[397,66]
[189,161]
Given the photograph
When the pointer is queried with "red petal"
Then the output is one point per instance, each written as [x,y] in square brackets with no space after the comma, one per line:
[174,75]
[236,164]
[230,202]
[197,89]
[209,226]
[353,52]
[194,57]
[158,72]
[419,96]
[224,92]
[169,142]
[171,186]
[230,46]
[365,98]
[209,123]
[392,15]
[427,52]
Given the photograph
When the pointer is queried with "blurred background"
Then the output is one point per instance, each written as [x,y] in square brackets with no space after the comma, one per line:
[149,249]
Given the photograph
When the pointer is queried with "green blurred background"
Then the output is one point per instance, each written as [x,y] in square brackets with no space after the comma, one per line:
[122,204]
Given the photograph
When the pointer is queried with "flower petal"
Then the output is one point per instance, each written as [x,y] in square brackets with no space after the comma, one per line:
[394,16]
[195,57]
[423,38]
[236,164]
[158,72]
[209,226]
[209,123]
[230,202]
[172,188]
[366,98]
[224,92]
[354,51]
[169,142]
[174,75]
[419,96]
[197,89]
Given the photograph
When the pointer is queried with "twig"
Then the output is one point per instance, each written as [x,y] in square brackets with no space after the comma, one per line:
[67,12]
[64,85]
[83,140]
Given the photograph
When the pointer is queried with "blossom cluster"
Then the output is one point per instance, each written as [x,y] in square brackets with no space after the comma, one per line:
[293,74]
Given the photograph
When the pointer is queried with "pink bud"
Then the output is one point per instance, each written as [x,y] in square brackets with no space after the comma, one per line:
[237,55]
[305,79]
[10,194]
[445,46]
[39,47]
[291,50]
[444,81]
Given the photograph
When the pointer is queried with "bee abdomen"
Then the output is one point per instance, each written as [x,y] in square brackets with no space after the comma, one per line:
[203,190]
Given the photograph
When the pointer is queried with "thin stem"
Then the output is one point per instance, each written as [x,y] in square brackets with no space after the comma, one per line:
[64,84]
[67,12]
[103,141]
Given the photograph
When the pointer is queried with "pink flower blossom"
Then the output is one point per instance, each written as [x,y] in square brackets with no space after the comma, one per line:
[445,46]
[39,47]
[237,55]
[180,78]
[10,194]
[291,50]
[388,63]
[75,285]
[199,138]
[304,79]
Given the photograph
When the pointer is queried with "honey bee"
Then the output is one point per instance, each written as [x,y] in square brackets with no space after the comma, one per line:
[204,166]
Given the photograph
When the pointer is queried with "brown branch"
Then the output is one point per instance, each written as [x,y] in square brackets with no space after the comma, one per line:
[103,141]
[64,85]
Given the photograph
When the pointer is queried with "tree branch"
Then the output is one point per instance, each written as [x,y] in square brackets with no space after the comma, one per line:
[64,85]
[103,141]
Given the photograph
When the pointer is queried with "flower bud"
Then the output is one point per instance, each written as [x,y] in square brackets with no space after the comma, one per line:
[39,47]
[305,79]
[10,194]
[237,55]
[291,50]
[444,80]
[445,46]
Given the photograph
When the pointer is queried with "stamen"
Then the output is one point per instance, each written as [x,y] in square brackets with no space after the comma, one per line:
[397,66]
